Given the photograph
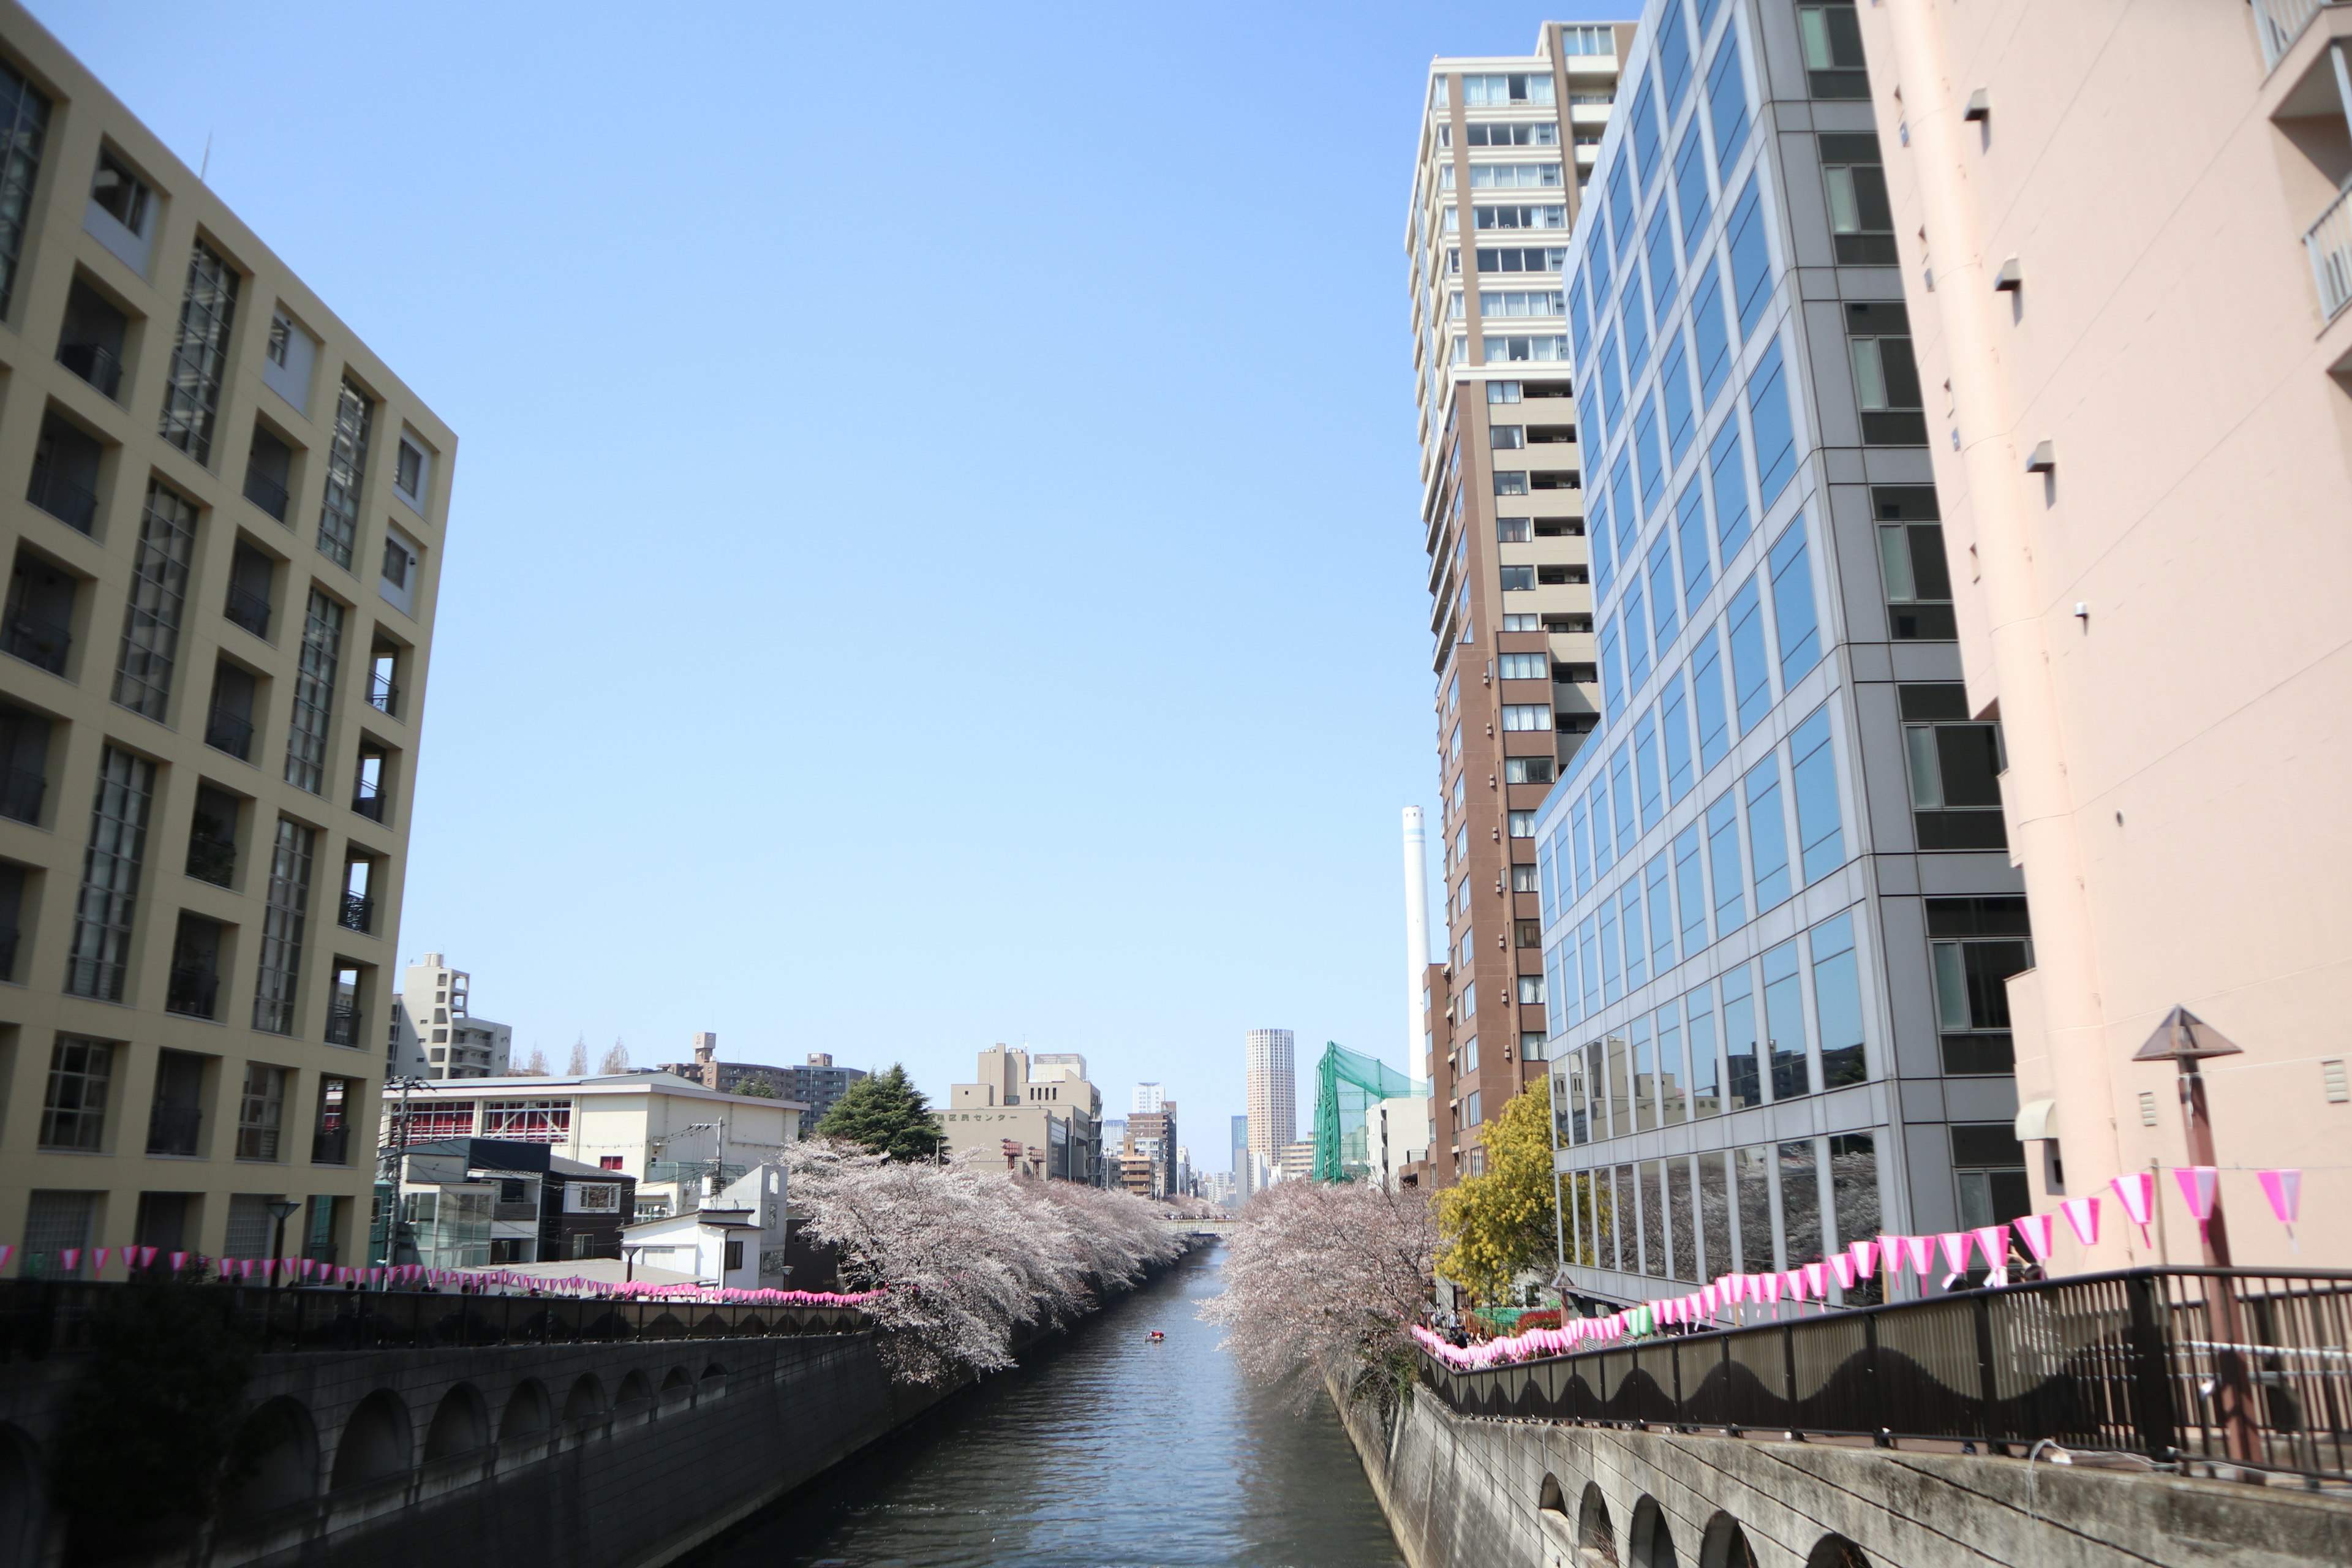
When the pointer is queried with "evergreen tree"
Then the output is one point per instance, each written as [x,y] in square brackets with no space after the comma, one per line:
[885,1113]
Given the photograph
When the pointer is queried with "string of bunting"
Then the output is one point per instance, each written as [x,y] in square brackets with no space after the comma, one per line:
[1861,1260]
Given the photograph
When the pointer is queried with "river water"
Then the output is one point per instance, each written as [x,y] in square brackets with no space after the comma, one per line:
[1102,1449]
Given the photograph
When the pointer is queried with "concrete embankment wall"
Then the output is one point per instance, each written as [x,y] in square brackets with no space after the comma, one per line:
[1478,1494]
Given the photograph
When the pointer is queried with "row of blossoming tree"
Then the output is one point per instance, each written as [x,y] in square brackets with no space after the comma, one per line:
[963,1257]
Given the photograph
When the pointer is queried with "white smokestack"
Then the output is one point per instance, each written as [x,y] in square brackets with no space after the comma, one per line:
[1416,931]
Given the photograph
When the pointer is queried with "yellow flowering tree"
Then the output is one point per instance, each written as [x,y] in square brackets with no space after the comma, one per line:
[1497,1224]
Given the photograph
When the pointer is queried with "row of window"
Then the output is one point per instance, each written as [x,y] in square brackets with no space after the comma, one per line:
[1504,176]
[60,1221]
[80,1109]
[1757,1209]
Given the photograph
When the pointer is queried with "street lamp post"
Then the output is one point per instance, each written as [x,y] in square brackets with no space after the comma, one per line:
[281,1210]
[2185,1039]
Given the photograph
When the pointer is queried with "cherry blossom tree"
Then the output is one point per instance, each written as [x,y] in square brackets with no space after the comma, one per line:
[1326,1279]
[966,1256]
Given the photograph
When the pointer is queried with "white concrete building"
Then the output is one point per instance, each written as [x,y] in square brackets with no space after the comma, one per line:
[1396,1132]
[733,1237]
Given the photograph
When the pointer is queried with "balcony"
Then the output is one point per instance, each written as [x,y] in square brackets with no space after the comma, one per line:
[173,1129]
[383,695]
[192,991]
[226,731]
[8,952]
[70,503]
[21,790]
[266,493]
[358,912]
[342,1025]
[2328,243]
[95,364]
[39,641]
[2280,23]
[212,861]
[332,1146]
[369,801]
[249,610]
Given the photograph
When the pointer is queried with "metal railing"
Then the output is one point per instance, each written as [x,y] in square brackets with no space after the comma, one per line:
[212,859]
[230,732]
[62,499]
[383,696]
[358,912]
[2231,1365]
[95,364]
[2280,23]
[8,938]
[2328,243]
[39,641]
[331,1146]
[192,989]
[38,1316]
[342,1025]
[21,790]
[248,609]
[369,801]
[266,493]
[174,1128]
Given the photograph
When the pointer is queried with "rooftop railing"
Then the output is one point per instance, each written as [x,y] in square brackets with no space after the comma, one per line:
[2235,1366]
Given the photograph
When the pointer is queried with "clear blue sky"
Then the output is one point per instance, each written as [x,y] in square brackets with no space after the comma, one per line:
[934,556]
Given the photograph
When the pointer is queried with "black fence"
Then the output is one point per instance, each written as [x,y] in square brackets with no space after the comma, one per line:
[2232,1366]
[38,1317]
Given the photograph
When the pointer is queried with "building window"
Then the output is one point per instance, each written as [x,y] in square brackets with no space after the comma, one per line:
[1500,218]
[1523,351]
[409,473]
[281,927]
[1515,176]
[1975,945]
[1520,258]
[1989,1164]
[1506,92]
[1911,555]
[1832,45]
[119,193]
[1531,990]
[1519,579]
[338,513]
[1506,437]
[261,1112]
[73,1108]
[1523,825]
[192,397]
[1862,221]
[1954,765]
[314,694]
[1470,1112]
[1527,716]
[1526,133]
[1514,531]
[1812,777]
[24,128]
[1518,303]
[1529,770]
[528,1121]
[1885,377]
[159,586]
[1511,483]
[109,878]
[1524,666]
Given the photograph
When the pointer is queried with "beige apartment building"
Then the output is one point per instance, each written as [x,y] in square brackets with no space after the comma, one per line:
[223,519]
[1507,145]
[2124,238]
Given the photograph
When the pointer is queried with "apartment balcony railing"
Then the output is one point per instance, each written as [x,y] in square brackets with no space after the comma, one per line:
[8,952]
[266,493]
[192,990]
[2229,1365]
[358,912]
[2280,23]
[228,732]
[2328,243]
[331,1146]
[21,790]
[383,695]
[174,1128]
[62,499]
[249,610]
[369,801]
[342,1025]
[95,364]
[212,861]
[39,641]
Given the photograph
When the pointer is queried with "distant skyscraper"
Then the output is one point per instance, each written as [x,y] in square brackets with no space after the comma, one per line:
[1241,1156]
[1273,1093]
[1149,1098]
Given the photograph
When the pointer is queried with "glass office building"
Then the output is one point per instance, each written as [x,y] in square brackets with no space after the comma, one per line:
[1777,903]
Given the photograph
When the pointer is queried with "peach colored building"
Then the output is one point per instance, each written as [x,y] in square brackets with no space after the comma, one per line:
[2128,262]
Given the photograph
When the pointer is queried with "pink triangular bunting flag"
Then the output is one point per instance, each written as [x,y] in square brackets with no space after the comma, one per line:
[2083,1219]
[2035,1228]
[2137,1194]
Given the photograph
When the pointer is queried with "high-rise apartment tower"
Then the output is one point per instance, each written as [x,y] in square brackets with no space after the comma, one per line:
[2082,267]
[1273,1099]
[1777,900]
[1506,145]
[224,518]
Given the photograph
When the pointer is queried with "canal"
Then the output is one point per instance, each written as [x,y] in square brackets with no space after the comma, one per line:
[1101,1449]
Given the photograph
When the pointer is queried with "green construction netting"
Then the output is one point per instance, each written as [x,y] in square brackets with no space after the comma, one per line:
[1346,1083]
